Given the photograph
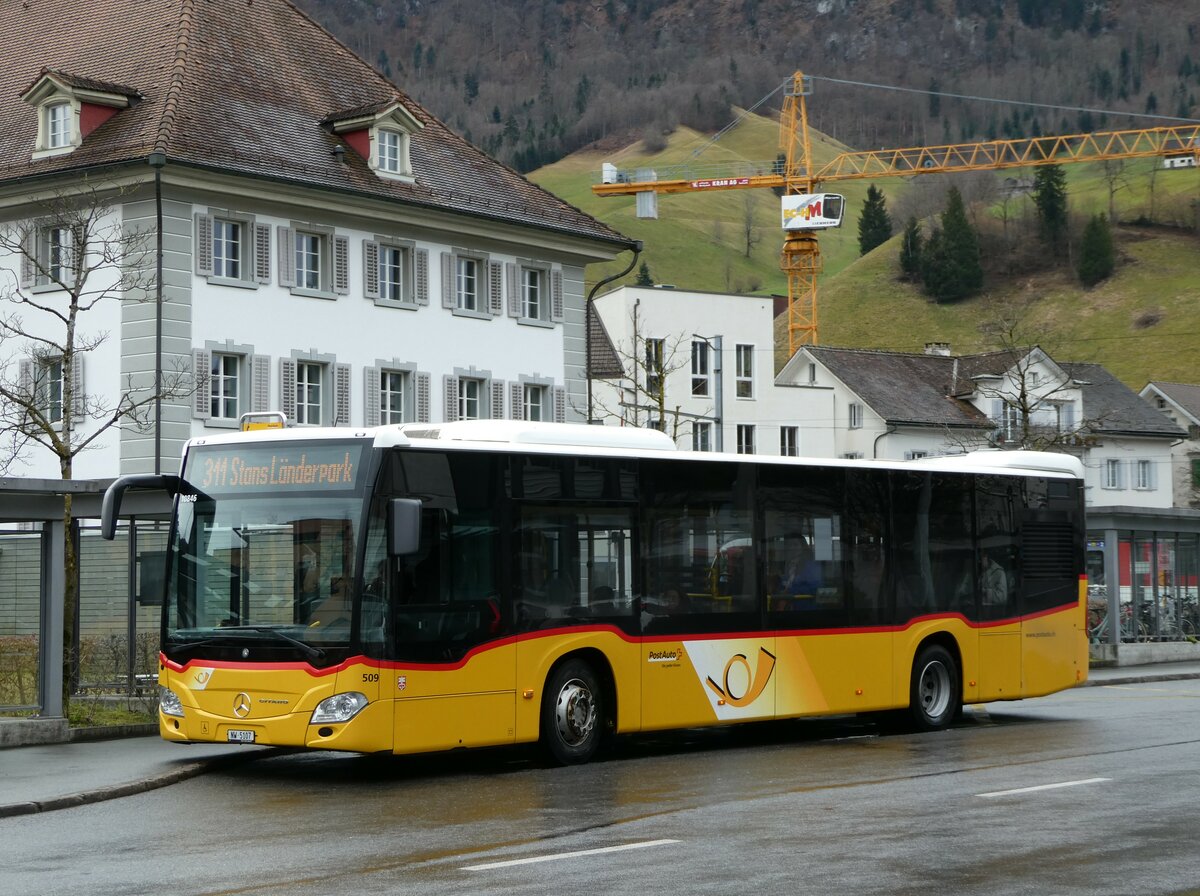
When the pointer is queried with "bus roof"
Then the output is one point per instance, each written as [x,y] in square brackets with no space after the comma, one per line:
[582,439]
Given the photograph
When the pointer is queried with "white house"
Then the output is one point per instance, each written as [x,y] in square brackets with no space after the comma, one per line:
[1180,402]
[713,354]
[311,239]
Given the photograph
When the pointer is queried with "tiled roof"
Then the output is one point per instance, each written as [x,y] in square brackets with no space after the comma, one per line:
[86,83]
[902,388]
[603,362]
[1109,406]
[920,390]
[1186,395]
[243,86]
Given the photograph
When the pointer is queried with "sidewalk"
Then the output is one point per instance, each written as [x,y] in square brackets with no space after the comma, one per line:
[55,776]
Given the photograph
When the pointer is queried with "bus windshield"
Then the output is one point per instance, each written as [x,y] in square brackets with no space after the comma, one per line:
[264,548]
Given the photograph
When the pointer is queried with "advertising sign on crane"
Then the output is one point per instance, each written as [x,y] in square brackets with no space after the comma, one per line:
[812,211]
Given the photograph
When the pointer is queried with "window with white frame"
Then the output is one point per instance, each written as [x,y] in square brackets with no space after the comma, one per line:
[535,303]
[225,386]
[1112,473]
[855,413]
[50,376]
[395,272]
[466,283]
[789,441]
[744,359]
[309,260]
[56,255]
[60,125]
[534,401]
[701,436]
[470,398]
[44,381]
[915,455]
[309,387]
[390,149]
[227,249]
[700,368]
[745,438]
[1144,475]
[392,273]
[393,396]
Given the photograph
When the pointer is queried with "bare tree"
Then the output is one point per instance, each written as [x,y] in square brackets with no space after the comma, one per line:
[1116,178]
[642,397]
[73,256]
[750,236]
[1031,398]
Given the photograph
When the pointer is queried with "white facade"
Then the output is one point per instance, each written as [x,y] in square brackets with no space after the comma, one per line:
[519,352]
[716,354]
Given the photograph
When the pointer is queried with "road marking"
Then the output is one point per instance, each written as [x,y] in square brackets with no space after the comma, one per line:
[1044,787]
[567,855]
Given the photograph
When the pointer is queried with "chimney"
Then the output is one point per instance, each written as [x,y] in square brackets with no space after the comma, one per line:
[938,348]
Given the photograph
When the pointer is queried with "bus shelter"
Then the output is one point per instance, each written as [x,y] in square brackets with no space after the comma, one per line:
[1144,582]
[116,614]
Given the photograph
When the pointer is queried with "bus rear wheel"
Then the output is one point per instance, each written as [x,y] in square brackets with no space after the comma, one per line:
[935,695]
[572,713]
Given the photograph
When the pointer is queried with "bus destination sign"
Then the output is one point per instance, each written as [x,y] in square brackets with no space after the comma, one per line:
[276,467]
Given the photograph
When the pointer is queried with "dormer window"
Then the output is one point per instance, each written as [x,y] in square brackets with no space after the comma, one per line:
[59,131]
[382,135]
[70,107]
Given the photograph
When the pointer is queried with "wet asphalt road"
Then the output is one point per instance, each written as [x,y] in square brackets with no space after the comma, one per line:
[1092,791]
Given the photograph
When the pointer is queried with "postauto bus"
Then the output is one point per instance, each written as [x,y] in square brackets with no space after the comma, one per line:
[422,587]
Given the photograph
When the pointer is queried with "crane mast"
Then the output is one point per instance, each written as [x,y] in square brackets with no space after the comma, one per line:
[801,256]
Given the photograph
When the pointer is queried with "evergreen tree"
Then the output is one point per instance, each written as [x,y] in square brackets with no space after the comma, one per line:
[952,266]
[643,277]
[874,224]
[910,250]
[1050,199]
[1097,257]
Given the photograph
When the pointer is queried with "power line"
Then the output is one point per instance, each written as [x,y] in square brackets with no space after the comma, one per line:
[989,99]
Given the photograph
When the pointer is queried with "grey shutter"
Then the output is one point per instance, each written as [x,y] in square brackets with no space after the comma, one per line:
[421,263]
[514,290]
[204,245]
[201,372]
[260,383]
[516,401]
[422,389]
[25,380]
[497,400]
[560,404]
[29,256]
[287,387]
[341,265]
[495,293]
[341,394]
[371,405]
[447,280]
[287,264]
[78,395]
[450,398]
[371,269]
[262,253]
[1068,417]
[556,296]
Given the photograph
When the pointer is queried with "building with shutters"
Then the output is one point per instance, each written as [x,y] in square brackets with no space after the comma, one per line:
[313,241]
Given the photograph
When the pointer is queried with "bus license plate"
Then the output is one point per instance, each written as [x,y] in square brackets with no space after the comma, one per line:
[236,736]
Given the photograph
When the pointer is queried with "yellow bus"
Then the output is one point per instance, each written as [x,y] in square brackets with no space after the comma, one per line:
[429,587]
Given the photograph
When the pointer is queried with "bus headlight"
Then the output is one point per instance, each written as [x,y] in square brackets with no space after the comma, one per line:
[168,702]
[338,708]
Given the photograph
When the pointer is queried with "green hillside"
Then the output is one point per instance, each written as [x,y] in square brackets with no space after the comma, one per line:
[1143,323]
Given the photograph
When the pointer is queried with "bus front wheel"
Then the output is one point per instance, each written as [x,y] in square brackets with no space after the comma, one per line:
[572,713]
[935,695]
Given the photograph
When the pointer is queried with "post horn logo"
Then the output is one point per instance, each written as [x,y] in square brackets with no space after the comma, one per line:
[758,678]
[241,705]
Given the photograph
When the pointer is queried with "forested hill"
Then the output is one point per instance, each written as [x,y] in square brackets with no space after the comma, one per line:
[531,81]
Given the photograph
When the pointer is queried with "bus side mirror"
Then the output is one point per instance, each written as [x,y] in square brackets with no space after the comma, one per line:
[404,526]
[110,509]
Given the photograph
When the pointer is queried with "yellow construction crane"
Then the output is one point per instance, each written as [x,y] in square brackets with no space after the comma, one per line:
[806,211]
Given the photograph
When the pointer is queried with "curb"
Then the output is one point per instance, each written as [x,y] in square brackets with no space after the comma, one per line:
[101,794]
[1139,679]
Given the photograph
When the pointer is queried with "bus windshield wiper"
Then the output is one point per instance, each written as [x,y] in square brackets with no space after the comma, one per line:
[313,653]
